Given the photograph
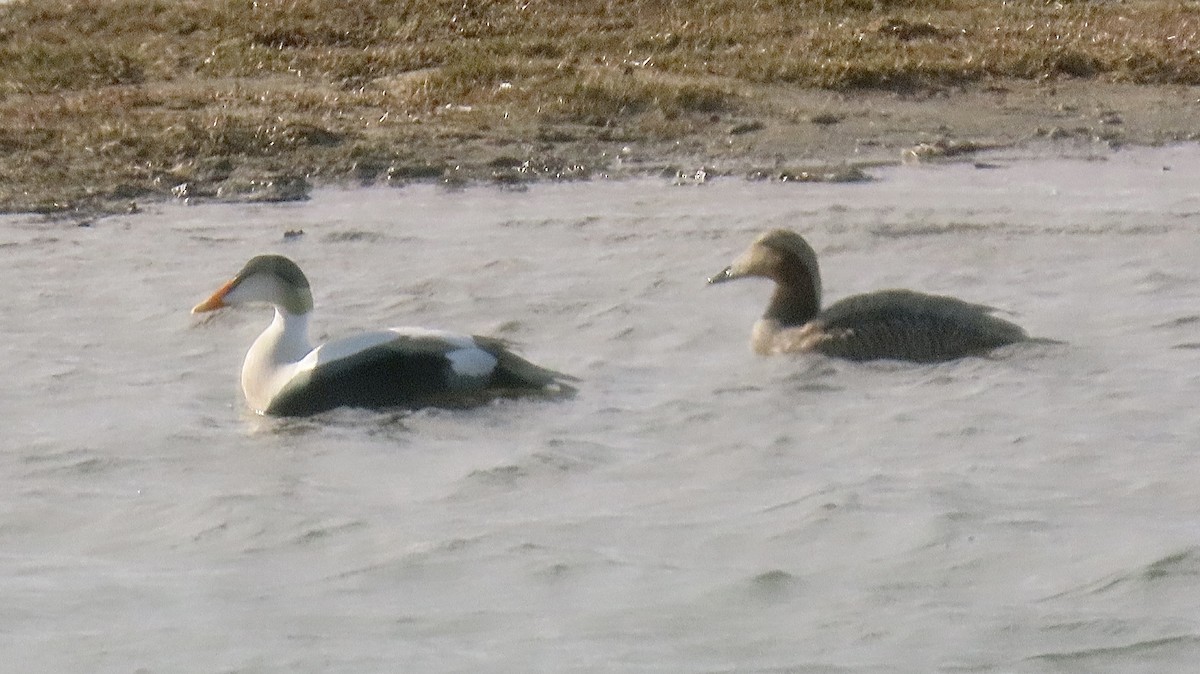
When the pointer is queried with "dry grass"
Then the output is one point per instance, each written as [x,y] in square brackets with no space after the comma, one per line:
[127,96]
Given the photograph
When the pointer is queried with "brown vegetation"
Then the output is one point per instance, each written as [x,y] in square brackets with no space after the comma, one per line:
[112,99]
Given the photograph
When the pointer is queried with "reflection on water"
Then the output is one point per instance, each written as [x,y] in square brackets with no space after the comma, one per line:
[694,508]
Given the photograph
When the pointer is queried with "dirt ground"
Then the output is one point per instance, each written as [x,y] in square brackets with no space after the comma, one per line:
[805,134]
[821,131]
[828,127]
[781,133]
[110,104]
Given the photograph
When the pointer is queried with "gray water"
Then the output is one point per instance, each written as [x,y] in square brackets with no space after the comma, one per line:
[694,509]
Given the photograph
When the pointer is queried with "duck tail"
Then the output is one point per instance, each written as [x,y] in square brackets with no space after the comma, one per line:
[515,373]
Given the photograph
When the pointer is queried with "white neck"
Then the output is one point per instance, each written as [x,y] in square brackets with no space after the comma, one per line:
[762,337]
[272,359]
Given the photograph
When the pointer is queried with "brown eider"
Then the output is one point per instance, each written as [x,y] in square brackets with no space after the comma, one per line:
[886,324]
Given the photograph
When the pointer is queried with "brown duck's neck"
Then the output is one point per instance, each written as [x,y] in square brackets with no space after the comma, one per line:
[795,301]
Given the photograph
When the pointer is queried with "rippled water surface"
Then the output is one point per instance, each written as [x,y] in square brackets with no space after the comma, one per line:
[694,509]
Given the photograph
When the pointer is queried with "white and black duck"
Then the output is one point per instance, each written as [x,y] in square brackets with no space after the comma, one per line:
[284,375]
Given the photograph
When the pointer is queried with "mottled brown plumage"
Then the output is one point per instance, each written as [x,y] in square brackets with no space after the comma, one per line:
[887,324]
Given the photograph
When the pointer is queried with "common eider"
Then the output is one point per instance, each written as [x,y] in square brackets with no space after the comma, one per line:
[886,324]
[410,368]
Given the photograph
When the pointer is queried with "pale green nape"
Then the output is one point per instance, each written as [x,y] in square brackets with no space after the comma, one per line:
[296,295]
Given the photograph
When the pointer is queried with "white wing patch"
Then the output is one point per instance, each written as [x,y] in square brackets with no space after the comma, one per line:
[452,339]
[465,356]
[472,362]
[344,348]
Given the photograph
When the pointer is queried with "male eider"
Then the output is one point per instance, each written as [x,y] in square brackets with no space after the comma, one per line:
[395,368]
[887,324]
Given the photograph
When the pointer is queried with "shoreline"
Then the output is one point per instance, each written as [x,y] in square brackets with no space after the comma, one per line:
[114,103]
[802,135]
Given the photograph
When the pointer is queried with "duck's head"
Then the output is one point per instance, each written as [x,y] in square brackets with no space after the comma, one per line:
[271,279]
[780,255]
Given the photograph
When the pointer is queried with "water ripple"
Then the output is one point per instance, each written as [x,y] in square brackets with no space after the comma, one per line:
[1107,653]
[1182,564]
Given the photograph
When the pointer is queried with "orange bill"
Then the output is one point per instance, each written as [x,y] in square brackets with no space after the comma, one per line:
[215,302]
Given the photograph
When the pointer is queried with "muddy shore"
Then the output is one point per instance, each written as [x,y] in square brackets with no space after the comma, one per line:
[789,135]
[814,132]
[120,103]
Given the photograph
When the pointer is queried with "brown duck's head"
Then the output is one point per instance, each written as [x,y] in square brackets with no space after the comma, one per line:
[270,279]
[780,255]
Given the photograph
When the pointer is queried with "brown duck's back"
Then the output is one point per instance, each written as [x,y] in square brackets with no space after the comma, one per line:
[906,325]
